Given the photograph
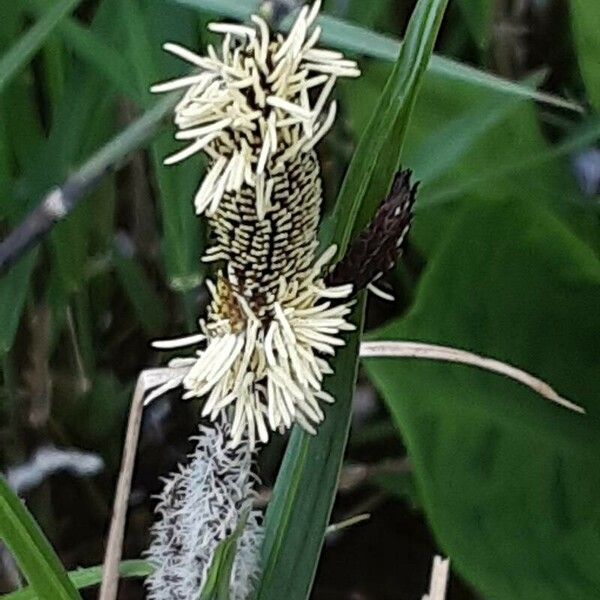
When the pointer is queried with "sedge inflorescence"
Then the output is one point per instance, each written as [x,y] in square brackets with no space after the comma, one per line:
[257,107]
[202,504]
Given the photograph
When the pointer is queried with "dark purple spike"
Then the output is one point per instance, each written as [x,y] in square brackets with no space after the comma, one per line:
[379,246]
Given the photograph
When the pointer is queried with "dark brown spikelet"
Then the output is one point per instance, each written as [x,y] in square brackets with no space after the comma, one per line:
[379,246]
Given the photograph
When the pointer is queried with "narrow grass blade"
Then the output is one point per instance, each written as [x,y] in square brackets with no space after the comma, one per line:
[305,489]
[340,34]
[84,578]
[92,49]
[219,574]
[300,508]
[31,550]
[353,38]
[233,9]
[377,156]
[13,292]
[108,158]
[21,52]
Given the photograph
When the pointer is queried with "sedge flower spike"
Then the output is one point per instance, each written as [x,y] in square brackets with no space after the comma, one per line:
[202,504]
[257,107]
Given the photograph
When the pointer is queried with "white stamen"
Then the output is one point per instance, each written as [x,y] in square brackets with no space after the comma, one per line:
[189,340]
[231,28]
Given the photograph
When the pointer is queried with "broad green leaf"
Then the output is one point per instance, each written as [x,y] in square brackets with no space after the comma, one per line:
[504,152]
[377,156]
[21,52]
[512,159]
[585,19]
[218,577]
[474,140]
[31,550]
[305,489]
[443,148]
[509,481]
[353,38]
[88,577]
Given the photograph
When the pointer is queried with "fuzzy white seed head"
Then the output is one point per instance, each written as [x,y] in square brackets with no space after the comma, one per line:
[257,108]
[202,504]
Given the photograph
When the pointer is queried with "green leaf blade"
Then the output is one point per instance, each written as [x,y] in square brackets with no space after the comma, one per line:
[377,156]
[218,577]
[13,293]
[176,184]
[353,38]
[299,511]
[22,51]
[88,577]
[31,550]
[305,489]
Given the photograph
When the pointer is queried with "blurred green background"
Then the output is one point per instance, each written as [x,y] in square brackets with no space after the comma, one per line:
[502,260]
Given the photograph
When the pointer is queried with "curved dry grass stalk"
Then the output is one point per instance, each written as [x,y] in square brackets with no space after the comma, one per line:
[439,579]
[163,379]
[160,379]
[391,349]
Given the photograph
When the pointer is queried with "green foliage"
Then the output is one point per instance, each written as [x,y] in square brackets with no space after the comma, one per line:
[176,184]
[19,55]
[299,511]
[218,577]
[146,303]
[478,15]
[377,156]
[84,578]
[585,17]
[303,496]
[509,481]
[13,289]
[347,36]
[33,553]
